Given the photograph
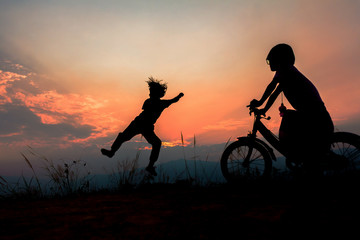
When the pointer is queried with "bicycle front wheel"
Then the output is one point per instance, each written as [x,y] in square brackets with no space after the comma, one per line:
[245,159]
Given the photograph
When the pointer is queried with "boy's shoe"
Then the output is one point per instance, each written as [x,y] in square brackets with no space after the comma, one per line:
[151,170]
[107,153]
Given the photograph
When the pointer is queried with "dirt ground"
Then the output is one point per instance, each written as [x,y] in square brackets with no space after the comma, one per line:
[255,211]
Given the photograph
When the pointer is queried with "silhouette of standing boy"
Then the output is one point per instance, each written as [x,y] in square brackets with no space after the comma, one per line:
[144,123]
[308,127]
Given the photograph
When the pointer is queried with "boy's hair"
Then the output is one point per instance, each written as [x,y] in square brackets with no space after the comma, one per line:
[156,88]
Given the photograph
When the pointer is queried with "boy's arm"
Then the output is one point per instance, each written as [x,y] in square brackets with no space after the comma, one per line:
[272,99]
[269,89]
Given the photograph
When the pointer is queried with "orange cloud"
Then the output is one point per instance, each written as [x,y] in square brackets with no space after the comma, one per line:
[176,143]
[75,109]
[6,77]
[54,108]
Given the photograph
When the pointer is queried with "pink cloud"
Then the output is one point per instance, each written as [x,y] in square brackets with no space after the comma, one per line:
[6,79]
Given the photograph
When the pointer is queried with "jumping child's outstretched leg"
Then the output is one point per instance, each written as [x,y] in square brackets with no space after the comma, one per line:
[114,147]
[128,133]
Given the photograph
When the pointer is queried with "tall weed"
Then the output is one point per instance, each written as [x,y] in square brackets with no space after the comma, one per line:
[193,177]
[66,177]
[126,173]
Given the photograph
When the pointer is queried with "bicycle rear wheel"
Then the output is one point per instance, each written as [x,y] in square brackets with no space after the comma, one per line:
[245,159]
[347,146]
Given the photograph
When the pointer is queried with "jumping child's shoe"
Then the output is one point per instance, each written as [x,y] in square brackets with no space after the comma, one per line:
[107,153]
[151,170]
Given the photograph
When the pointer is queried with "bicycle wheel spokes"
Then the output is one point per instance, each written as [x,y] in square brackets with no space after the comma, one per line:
[245,159]
[349,152]
[254,167]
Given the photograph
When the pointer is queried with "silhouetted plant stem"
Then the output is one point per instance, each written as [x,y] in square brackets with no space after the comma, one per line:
[32,169]
[195,173]
[186,165]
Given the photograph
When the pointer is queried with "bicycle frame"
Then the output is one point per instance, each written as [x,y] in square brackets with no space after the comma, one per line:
[266,133]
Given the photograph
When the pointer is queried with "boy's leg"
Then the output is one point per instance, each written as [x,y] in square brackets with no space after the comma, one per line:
[155,142]
[122,137]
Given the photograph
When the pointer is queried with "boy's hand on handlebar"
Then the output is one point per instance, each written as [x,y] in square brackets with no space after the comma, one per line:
[255,103]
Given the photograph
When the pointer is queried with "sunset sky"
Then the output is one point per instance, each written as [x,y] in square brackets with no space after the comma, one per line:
[72,73]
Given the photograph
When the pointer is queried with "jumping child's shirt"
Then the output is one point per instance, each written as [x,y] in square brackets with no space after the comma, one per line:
[152,109]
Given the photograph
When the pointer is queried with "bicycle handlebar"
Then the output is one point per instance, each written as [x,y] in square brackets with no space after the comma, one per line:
[257,112]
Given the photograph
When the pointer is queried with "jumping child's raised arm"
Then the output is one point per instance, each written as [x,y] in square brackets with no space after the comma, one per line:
[177,98]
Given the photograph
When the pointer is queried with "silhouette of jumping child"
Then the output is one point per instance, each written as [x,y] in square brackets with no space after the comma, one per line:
[304,132]
[144,123]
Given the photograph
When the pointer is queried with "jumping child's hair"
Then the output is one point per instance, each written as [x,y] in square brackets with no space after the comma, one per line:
[157,89]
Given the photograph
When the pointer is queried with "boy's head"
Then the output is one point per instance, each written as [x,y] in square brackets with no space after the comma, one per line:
[157,89]
[279,56]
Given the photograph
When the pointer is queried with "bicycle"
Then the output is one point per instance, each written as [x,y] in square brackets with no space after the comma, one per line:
[251,158]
